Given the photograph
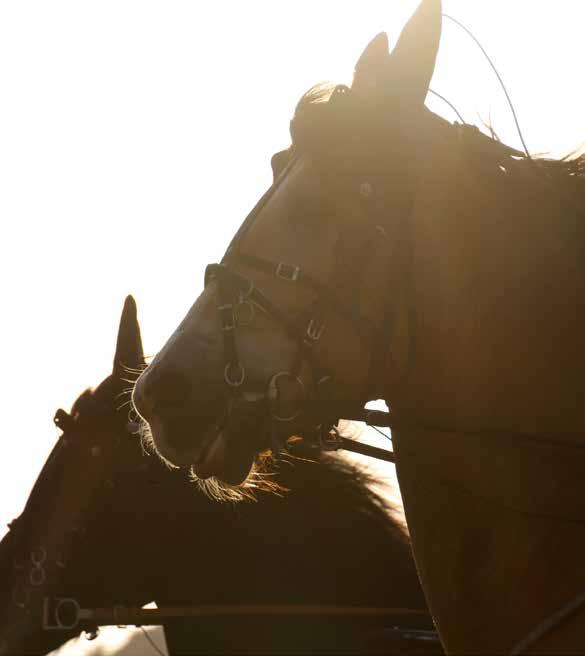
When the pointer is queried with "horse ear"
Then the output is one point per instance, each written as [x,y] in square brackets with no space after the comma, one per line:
[372,66]
[406,72]
[412,61]
[129,351]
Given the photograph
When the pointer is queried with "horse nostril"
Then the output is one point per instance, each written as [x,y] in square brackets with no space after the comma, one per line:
[157,392]
[170,388]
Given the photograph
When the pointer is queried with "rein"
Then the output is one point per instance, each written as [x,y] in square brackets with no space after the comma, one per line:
[66,614]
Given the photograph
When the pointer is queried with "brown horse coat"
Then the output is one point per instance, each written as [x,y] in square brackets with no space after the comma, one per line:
[495,499]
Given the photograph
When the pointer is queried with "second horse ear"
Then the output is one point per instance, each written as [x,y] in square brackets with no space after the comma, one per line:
[129,353]
[405,73]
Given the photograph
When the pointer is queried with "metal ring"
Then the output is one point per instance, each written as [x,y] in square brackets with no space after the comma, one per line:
[237,381]
[273,394]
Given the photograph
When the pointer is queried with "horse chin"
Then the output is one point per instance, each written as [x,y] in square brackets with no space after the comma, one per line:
[228,463]
[224,452]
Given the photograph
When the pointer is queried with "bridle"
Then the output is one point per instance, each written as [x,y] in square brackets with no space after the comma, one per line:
[237,298]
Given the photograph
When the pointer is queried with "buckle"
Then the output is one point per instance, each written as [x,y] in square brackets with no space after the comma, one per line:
[288,272]
[226,317]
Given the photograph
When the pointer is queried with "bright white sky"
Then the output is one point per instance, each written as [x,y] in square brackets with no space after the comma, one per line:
[135,136]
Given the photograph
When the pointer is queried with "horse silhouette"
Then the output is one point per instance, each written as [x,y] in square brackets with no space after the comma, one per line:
[108,524]
[402,257]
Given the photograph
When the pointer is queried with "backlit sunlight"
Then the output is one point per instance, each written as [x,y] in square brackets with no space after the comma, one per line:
[136,136]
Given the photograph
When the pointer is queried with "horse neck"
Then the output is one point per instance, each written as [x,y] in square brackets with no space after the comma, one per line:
[496,294]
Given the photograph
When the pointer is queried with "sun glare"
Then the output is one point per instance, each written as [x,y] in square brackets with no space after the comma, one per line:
[136,136]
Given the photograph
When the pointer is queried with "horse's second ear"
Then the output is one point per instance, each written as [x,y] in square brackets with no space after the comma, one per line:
[129,353]
[404,74]
[371,70]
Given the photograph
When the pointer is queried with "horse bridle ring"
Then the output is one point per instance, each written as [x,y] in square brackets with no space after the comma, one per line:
[273,394]
[236,381]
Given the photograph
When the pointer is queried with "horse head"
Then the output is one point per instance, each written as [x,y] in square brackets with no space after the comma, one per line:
[35,553]
[106,526]
[293,326]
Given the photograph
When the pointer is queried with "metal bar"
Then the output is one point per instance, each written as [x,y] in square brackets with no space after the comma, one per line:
[346,444]
[121,616]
